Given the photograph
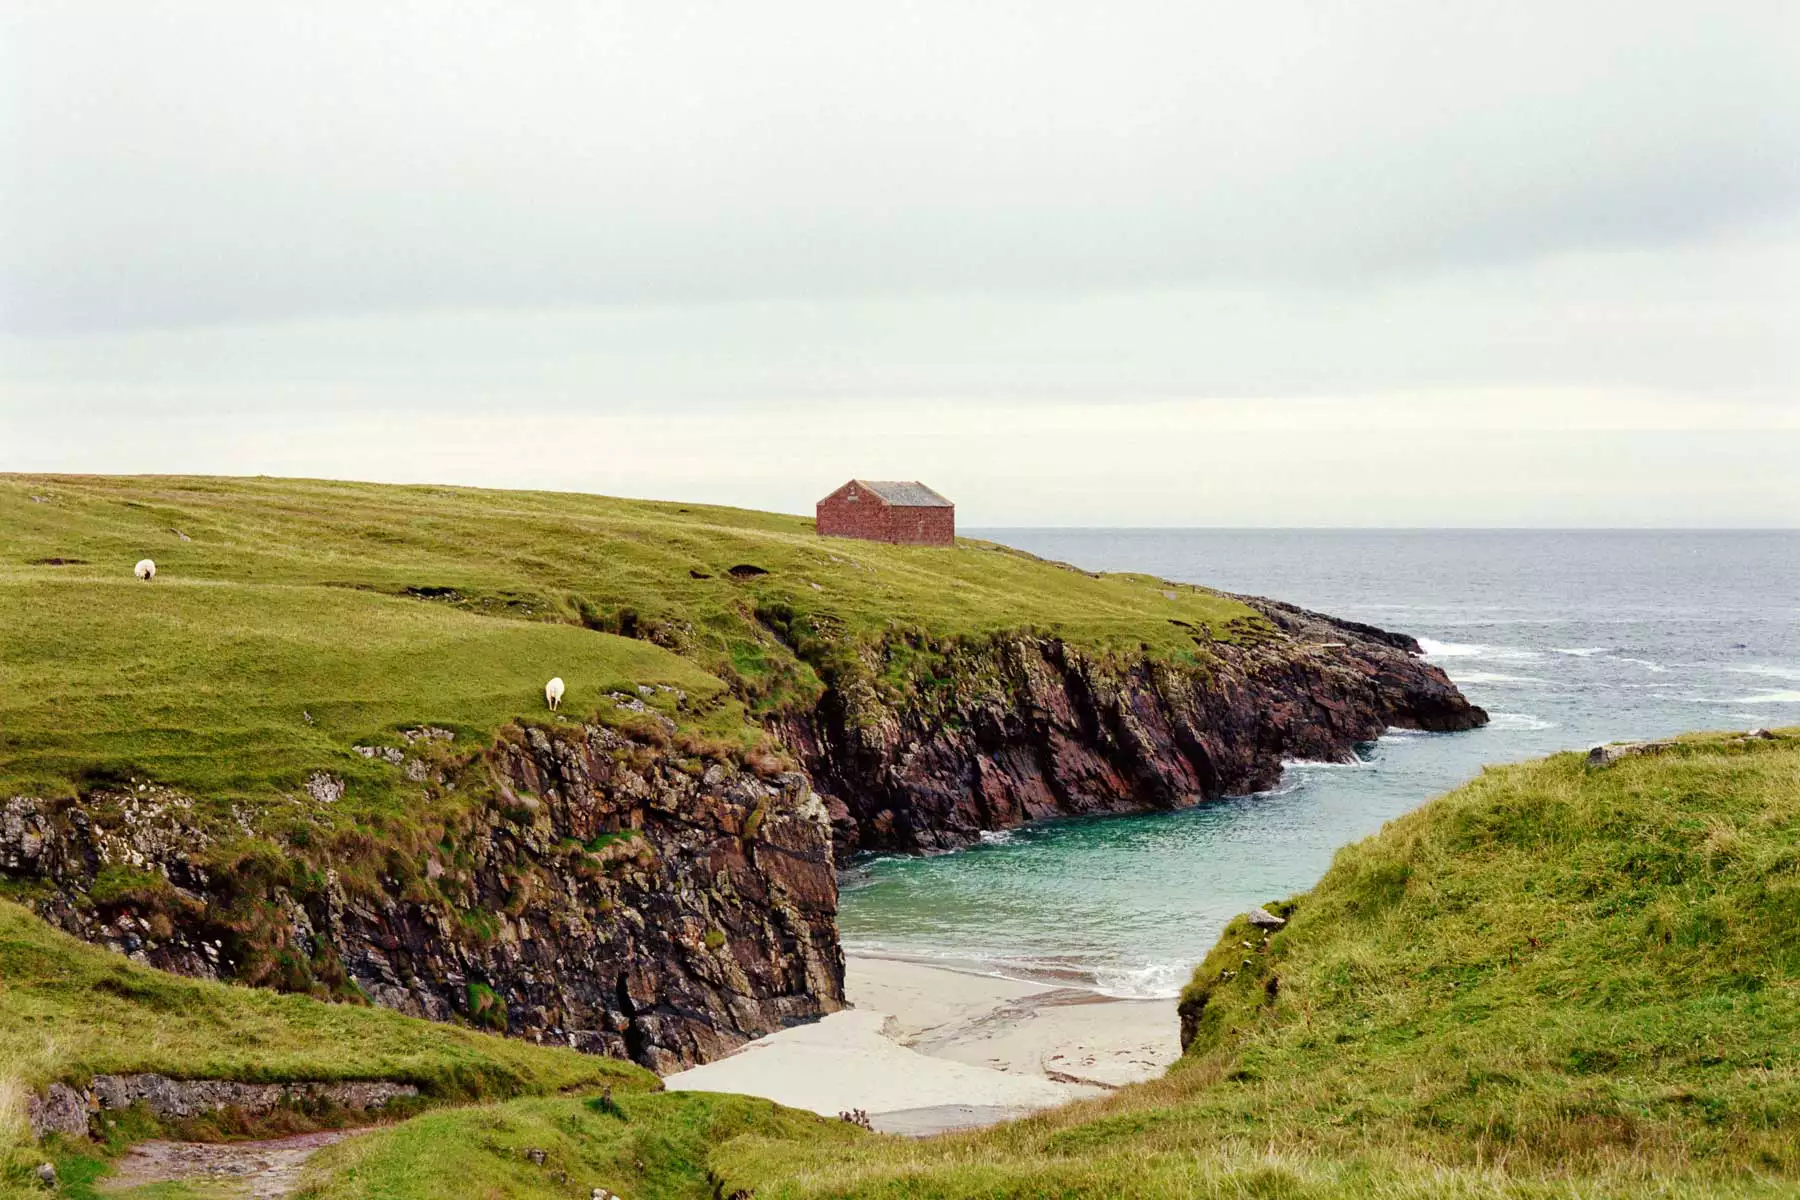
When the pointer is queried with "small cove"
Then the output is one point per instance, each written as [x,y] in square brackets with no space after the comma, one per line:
[1568,638]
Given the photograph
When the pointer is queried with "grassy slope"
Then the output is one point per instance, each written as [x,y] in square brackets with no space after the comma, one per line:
[1552,981]
[647,1147]
[69,1011]
[292,598]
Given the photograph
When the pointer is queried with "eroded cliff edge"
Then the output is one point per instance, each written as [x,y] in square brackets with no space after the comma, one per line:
[602,893]
[1016,728]
[597,887]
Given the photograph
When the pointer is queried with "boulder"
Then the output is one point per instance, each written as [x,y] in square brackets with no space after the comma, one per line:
[1262,918]
[61,1109]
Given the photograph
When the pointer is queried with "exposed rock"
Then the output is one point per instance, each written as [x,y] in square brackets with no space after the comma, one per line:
[387,754]
[1606,756]
[603,950]
[1021,728]
[324,787]
[1262,918]
[46,1174]
[63,1109]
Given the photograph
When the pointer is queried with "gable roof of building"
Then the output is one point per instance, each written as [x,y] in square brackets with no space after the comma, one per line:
[905,493]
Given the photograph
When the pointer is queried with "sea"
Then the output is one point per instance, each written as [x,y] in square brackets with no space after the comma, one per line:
[1567,638]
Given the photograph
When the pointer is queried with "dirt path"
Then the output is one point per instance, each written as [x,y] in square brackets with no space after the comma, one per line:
[266,1170]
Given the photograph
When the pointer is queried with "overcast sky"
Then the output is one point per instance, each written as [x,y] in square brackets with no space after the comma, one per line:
[1167,262]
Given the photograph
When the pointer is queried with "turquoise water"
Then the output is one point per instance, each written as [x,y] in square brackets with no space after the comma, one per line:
[1567,638]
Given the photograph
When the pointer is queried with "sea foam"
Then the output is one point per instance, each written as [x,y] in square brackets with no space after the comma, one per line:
[1507,722]
[1434,649]
[1437,649]
[1767,671]
[1155,981]
[1492,677]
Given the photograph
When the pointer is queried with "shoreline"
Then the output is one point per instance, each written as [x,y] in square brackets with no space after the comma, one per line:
[925,1048]
[1070,974]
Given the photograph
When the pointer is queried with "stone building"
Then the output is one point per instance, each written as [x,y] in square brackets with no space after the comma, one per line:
[884,510]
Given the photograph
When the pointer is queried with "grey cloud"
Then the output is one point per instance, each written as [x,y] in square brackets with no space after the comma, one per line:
[193,162]
[1706,321]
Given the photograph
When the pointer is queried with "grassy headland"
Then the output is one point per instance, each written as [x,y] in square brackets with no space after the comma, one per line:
[1553,981]
[291,619]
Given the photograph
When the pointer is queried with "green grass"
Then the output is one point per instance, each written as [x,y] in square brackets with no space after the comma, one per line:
[242,689]
[1551,982]
[646,1147]
[374,607]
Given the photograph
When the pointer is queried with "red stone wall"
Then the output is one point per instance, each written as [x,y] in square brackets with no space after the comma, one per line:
[922,526]
[855,512]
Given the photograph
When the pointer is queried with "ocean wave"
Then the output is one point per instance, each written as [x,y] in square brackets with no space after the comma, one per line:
[1142,981]
[1791,697]
[1517,722]
[1156,981]
[997,837]
[1582,651]
[1645,663]
[1436,649]
[1289,764]
[1433,649]
[1767,671]
[1492,677]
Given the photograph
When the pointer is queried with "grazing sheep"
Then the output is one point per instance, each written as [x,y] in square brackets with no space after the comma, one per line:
[145,570]
[553,693]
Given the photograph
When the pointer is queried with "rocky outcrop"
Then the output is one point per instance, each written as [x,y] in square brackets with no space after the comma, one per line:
[1018,728]
[66,1110]
[600,889]
[606,895]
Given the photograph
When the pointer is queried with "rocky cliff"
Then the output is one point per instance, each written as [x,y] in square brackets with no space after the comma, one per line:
[1014,728]
[602,893]
[598,888]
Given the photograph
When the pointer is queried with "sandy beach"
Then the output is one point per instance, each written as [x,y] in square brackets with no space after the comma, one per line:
[925,1048]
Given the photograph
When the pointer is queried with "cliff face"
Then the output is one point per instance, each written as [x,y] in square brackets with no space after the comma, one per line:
[601,897]
[598,891]
[1020,728]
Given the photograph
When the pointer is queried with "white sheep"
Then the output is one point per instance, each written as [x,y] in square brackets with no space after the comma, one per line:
[553,693]
[145,570]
